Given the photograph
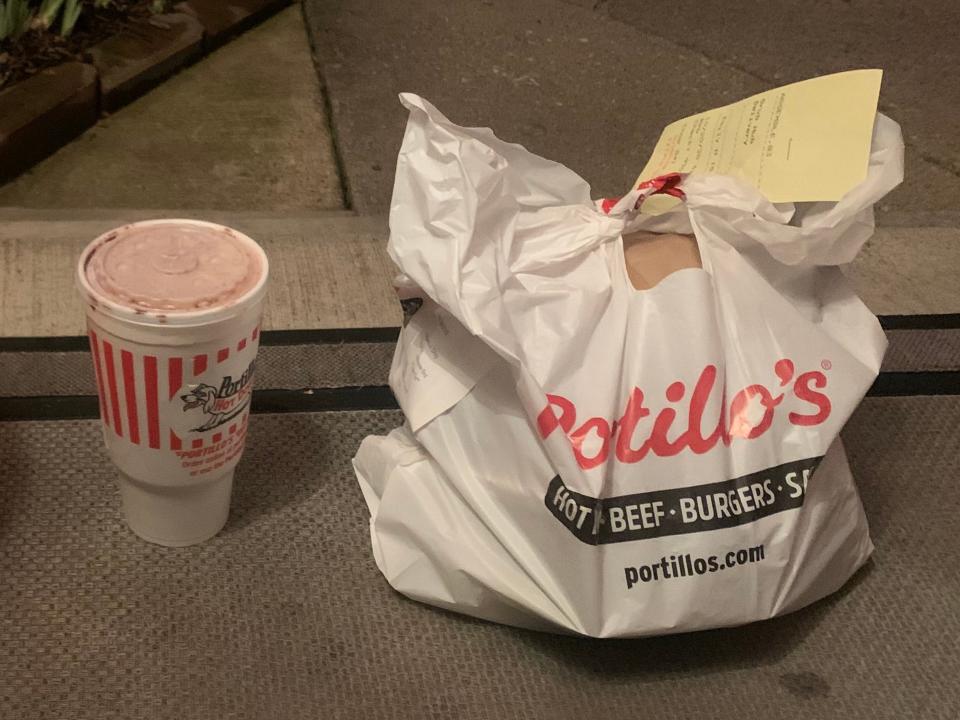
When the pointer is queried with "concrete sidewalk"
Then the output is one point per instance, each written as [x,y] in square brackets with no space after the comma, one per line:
[243,129]
[591,83]
[243,137]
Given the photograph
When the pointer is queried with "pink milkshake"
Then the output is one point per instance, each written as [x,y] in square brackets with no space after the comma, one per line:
[173,312]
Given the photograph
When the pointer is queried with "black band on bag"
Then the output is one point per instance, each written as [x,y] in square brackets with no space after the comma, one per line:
[679,511]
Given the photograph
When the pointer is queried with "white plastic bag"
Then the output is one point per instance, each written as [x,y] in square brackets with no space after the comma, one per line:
[580,456]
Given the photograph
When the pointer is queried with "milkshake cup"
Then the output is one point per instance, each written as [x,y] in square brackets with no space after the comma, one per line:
[173,315]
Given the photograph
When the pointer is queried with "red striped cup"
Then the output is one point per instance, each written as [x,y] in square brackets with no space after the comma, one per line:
[175,389]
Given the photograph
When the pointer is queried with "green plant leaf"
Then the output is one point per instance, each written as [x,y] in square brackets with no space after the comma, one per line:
[17,18]
[49,9]
[71,11]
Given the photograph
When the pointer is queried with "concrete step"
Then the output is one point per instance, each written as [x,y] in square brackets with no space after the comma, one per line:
[909,271]
[328,270]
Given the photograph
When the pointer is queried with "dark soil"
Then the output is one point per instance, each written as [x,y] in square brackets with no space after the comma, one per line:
[38,49]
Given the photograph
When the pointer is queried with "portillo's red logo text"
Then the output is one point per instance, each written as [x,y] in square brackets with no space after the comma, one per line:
[637,432]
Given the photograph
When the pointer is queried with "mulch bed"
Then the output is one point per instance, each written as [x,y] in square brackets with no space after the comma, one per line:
[38,49]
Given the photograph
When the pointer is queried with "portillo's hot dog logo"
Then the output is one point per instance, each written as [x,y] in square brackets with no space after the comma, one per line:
[638,432]
[220,404]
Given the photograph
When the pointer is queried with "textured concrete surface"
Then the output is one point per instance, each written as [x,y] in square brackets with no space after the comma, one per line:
[593,88]
[325,272]
[331,270]
[907,271]
[243,129]
[782,41]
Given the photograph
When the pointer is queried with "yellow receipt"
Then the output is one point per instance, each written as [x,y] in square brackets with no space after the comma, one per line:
[803,142]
